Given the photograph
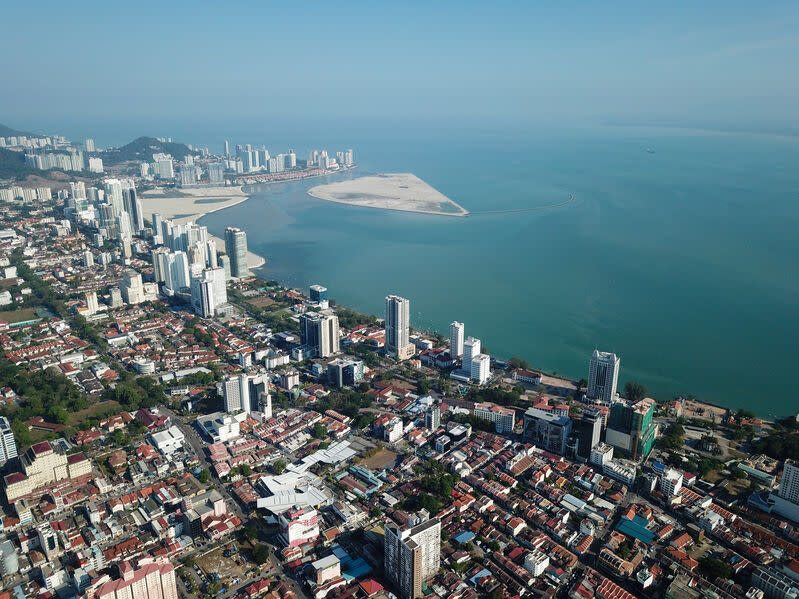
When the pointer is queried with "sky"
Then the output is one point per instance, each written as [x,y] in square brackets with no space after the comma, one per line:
[692,63]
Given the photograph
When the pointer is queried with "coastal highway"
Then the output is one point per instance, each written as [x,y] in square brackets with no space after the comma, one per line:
[561,204]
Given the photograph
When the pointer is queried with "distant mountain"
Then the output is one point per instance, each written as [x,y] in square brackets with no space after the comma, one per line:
[9,132]
[12,164]
[143,149]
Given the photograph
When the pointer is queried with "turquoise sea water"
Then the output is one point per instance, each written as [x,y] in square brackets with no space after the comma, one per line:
[683,261]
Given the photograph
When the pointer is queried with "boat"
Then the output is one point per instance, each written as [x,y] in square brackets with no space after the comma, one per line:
[650,151]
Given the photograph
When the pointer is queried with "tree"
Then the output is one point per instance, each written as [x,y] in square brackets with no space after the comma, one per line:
[278,466]
[582,383]
[715,568]
[375,512]
[245,470]
[204,476]
[514,363]
[319,431]
[634,391]
[260,554]
[251,532]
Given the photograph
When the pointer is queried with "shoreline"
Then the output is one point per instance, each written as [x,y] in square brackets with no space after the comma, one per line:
[185,208]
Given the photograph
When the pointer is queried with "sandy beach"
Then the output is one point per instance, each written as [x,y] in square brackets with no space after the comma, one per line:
[193,203]
[391,191]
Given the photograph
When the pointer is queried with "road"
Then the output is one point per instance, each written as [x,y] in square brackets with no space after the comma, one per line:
[194,441]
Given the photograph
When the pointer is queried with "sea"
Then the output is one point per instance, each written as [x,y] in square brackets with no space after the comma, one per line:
[679,252]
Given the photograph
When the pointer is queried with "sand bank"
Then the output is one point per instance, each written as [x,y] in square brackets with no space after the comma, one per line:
[190,204]
[390,191]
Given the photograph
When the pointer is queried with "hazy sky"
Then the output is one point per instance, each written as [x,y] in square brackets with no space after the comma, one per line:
[535,61]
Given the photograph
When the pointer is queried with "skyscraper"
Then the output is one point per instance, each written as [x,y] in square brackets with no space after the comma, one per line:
[227,148]
[320,332]
[412,555]
[603,376]
[132,205]
[471,349]
[588,429]
[236,249]
[397,325]
[8,447]
[132,288]
[432,417]
[456,331]
[631,427]
[236,394]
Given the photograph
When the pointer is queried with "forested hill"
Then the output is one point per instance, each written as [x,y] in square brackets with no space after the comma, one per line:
[143,149]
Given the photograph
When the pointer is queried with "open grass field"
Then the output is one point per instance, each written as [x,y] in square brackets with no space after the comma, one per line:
[18,315]
[384,458]
[101,409]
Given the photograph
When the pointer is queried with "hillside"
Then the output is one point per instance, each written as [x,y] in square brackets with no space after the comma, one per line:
[6,131]
[143,149]
[12,165]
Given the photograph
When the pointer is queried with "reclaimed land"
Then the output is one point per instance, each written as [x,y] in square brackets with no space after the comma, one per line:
[391,191]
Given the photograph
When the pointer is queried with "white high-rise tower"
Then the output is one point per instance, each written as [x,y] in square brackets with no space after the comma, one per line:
[456,330]
[603,376]
[398,315]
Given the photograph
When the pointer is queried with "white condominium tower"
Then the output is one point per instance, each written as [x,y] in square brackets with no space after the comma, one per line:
[412,555]
[603,376]
[456,330]
[471,349]
[398,311]
[320,331]
[236,249]
[8,447]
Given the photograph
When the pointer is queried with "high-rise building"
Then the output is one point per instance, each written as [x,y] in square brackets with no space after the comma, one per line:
[163,166]
[503,418]
[320,333]
[236,249]
[318,293]
[345,371]
[224,264]
[298,525]
[92,305]
[88,259]
[187,175]
[89,145]
[631,427]
[432,417]
[547,429]
[95,164]
[132,205]
[156,224]
[398,310]
[216,173]
[471,348]
[227,148]
[8,447]
[603,376]
[244,392]
[208,291]
[789,485]
[589,430]
[236,394]
[480,370]
[412,556]
[155,580]
[132,288]
[456,330]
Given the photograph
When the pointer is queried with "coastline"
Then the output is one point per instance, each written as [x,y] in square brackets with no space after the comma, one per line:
[189,207]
